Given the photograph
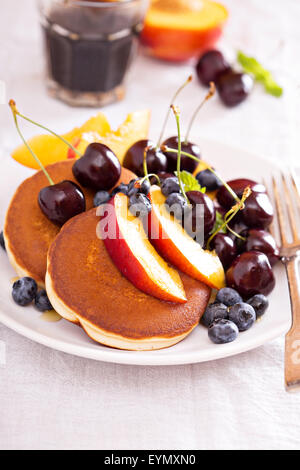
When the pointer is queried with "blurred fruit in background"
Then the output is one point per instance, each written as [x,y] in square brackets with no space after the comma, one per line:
[179,30]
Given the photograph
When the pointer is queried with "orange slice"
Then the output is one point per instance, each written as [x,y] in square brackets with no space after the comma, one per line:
[134,128]
[51,149]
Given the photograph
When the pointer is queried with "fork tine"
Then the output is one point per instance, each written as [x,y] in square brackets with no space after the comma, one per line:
[290,209]
[296,188]
[280,212]
[271,227]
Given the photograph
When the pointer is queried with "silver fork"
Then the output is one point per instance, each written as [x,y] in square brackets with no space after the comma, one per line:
[290,255]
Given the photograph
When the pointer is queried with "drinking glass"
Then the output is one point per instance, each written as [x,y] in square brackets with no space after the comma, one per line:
[89,46]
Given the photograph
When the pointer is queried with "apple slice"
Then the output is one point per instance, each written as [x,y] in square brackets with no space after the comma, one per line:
[176,246]
[130,249]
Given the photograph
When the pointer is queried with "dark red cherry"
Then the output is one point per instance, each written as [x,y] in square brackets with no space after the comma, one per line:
[238,185]
[225,249]
[260,240]
[258,211]
[99,168]
[238,226]
[210,66]
[202,217]
[134,158]
[186,163]
[60,202]
[234,87]
[251,274]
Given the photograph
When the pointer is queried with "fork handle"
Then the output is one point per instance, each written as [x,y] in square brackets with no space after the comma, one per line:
[292,340]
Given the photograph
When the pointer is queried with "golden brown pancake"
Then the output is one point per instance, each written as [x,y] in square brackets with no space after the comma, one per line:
[85,287]
[27,231]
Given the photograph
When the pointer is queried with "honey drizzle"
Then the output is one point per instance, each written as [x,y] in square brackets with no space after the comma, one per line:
[51,316]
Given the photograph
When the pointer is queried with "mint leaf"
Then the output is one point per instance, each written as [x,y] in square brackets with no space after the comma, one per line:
[218,223]
[252,66]
[190,182]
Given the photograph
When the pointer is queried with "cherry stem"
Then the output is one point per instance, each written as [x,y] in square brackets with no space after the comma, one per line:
[145,167]
[149,176]
[16,112]
[165,148]
[190,78]
[237,235]
[209,95]
[12,105]
[231,213]
[176,112]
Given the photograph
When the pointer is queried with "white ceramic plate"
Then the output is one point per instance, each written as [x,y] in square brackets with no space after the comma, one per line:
[64,336]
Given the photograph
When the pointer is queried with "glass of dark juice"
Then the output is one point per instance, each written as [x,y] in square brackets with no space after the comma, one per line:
[89,46]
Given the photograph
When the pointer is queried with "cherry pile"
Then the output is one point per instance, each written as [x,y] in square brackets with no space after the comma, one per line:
[250,272]
[246,249]
[233,87]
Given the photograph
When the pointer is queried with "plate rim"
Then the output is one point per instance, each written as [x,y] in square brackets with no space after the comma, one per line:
[142,358]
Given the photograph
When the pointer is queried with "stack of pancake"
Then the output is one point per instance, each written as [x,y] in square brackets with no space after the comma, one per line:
[83,284]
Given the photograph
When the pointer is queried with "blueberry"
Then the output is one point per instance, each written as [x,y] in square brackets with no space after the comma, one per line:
[208,180]
[170,185]
[145,187]
[2,242]
[213,312]
[42,303]
[260,304]
[228,296]
[243,315]
[133,188]
[122,188]
[101,197]
[177,204]
[24,291]
[139,205]
[222,331]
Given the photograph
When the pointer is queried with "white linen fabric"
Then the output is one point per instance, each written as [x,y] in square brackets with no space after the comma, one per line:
[50,400]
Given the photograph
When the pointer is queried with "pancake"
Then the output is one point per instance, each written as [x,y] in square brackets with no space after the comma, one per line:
[85,287]
[27,231]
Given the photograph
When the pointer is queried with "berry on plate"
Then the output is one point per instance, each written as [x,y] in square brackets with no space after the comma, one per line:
[42,302]
[24,291]
[228,296]
[260,304]
[213,312]
[222,331]
[243,315]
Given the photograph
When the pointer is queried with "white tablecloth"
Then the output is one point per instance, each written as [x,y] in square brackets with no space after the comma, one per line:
[52,400]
